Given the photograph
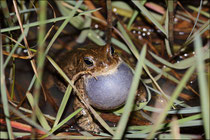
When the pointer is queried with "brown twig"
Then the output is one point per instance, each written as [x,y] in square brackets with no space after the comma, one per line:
[19,56]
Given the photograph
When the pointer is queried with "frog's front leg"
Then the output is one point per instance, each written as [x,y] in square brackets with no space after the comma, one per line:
[84,118]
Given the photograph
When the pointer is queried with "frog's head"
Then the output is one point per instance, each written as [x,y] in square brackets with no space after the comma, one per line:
[108,85]
[97,59]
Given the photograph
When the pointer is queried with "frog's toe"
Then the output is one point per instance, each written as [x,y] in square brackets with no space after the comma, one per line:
[93,128]
[89,125]
[97,129]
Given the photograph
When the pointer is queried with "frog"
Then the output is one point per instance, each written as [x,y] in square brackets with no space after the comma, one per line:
[102,78]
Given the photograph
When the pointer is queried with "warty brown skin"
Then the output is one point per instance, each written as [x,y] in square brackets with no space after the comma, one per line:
[72,63]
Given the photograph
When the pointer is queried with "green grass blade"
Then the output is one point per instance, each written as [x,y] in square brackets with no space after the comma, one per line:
[88,12]
[192,123]
[25,11]
[135,13]
[168,49]
[40,64]
[186,63]
[63,105]
[197,9]
[188,110]
[38,112]
[72,137]
[4,93]
[130,100]
[136,136]
[92,35]
[203,88]
[120,45]
[3,134]
[128,40]
[31,83]
[182,136]
[33,24]
[157,77]
[60,71]
[71,2]
[148,15]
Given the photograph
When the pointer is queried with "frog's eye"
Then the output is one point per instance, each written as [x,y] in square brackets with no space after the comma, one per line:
[112,50]
[88,61]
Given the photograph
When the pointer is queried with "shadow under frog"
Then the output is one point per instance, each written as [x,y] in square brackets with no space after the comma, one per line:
[102,78]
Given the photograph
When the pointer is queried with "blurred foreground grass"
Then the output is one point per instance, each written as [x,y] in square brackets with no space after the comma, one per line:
[15,35]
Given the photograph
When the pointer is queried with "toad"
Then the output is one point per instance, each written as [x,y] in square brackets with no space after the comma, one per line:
[102,78]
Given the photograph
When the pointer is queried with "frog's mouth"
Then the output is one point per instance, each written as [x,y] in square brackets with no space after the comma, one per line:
[109,91]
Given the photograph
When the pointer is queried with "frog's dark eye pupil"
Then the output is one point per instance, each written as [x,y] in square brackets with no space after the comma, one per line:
[112,50]
[88,61]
